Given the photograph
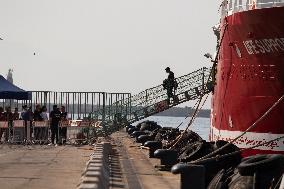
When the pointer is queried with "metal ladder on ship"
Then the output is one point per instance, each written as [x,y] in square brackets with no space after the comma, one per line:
[154,100]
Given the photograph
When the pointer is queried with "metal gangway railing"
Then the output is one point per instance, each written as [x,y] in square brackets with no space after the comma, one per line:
[229,7]
[155,100]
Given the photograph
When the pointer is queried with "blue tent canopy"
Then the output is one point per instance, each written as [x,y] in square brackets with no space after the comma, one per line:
[10,91]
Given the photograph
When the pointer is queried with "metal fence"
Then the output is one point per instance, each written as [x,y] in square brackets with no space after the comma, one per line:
[38,132]
[79,105]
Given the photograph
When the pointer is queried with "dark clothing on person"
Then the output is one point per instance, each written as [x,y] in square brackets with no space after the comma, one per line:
[64,115]
[55,117]
[16,116]
[37,116]
[171,76]
[38,132]
[63,130]
[54,134]
[2,118]
[28,118]
[169,84]
[26,115]
[8,116]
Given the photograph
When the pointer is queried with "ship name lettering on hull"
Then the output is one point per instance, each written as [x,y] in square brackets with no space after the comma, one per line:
[263,46]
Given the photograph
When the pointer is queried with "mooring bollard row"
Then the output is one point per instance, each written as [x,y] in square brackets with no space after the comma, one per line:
[97,172]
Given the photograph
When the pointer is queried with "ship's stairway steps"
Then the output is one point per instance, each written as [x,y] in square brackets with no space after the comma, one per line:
[154,100]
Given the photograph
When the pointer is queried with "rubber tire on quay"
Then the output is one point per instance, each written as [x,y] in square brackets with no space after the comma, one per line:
[250,165]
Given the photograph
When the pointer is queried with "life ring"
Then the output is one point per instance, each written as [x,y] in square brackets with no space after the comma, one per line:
[250,165]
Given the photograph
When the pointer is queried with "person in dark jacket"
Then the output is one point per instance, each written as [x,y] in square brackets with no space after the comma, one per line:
[37,117]
[27,116]
[37,113]
[63,130]
[169,84]
[16,115]
[55,117]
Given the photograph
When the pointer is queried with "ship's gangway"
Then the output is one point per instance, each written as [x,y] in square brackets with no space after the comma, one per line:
[154,100]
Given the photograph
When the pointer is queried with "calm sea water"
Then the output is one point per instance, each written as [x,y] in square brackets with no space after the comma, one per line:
[200,125]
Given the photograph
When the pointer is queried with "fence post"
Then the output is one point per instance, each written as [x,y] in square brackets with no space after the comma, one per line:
[129,105]
[104,106]
[203,77]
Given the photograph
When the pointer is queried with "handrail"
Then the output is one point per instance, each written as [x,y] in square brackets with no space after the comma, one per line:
[229,7]
[145,103]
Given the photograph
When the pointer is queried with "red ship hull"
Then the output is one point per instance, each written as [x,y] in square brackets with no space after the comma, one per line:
[249,80]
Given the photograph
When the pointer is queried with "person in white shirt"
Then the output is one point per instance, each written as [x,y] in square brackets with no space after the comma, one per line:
[44,116]
[43,113]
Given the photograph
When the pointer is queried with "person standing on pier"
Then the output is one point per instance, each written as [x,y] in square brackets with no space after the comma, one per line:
[16,115]
[2,118]
[55,116]
[9,118]
[44,117]
[63,130]
[37,117]
[43,113]
[26,116]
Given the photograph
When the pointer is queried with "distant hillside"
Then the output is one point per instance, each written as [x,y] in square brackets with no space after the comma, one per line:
[183,112]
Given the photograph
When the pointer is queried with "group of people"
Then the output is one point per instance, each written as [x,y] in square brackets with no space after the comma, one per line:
[39,114]
[8,116]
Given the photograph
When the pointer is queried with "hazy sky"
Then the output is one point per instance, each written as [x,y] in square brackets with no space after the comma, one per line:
[103,45]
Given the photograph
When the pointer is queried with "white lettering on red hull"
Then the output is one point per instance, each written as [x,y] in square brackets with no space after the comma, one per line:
[250,139]
[263,46]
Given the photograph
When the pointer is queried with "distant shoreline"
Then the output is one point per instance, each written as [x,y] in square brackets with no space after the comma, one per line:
[183,112]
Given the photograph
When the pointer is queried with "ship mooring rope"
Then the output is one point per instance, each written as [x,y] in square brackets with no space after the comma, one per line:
[279,182]
[179,138]
[235,152]
[189,115]
[247,130]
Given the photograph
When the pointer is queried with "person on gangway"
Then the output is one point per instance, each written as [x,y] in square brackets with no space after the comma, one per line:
[170,84]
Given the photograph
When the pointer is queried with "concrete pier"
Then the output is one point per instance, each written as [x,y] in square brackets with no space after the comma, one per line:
[50,167]
[46,167]
[139,170]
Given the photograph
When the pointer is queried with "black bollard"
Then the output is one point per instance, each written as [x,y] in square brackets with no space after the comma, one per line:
[153,146]
[144,138]
[191,176]
[167,157]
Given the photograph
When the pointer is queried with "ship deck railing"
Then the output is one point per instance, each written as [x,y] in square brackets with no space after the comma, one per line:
[233,6]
